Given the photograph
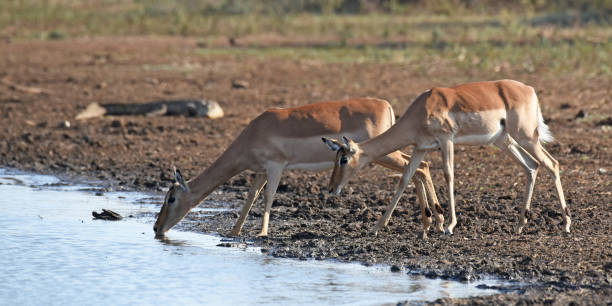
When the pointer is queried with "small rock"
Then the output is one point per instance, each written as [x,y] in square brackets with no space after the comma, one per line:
[431,275]
[602,171]
[465,276]
[27,137]
[64,124]
[395,268]
[607,121]
[107,215]
[565,106]
[240,84]
[580,114]
[116,123]
[101,85]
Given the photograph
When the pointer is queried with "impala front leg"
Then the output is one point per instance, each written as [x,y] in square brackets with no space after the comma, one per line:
[274,175]
[446,145]
[409,171]
[260,180]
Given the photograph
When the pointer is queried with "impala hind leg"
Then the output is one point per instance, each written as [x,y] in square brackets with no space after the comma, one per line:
[424,175]
[509,145]
[274,175]
[425,210]
[447,147]
[542,156]
[422,181]
[431,192]
[260,181]
[409,171]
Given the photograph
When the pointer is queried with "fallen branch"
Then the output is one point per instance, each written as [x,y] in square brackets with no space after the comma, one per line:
[28,89]
[188,107]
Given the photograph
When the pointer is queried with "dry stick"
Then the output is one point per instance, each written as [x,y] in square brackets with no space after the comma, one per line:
[28,89]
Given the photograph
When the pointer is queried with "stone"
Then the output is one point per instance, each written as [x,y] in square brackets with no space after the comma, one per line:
[107,215]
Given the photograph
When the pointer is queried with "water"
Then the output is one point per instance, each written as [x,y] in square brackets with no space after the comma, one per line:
[55,254]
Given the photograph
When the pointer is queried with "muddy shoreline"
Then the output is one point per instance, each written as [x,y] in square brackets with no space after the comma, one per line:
[138,152]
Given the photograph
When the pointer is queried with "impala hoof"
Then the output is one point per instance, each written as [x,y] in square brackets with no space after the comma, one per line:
[374,232]
[519,230]
[567,226]
[424,236]
[448,231]
[262,235]
[233,234]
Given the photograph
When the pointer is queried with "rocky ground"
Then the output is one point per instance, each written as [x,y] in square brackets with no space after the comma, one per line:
[45,84]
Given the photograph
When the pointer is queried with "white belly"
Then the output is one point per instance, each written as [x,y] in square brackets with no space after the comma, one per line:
[478,128]
[312,166]
[478,139]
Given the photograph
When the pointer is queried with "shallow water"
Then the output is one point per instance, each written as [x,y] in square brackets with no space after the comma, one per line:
[54,253]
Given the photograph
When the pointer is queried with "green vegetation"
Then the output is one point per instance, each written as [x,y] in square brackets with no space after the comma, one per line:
[530,36]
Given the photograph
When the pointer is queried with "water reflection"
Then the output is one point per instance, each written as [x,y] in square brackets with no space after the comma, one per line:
[173,242]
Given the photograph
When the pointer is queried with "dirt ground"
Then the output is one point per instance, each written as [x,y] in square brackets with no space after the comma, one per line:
[38,132]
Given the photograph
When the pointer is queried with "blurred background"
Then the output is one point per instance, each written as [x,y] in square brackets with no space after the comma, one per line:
[522,36]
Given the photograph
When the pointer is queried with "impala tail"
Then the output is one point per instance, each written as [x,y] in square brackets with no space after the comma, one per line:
[543,131]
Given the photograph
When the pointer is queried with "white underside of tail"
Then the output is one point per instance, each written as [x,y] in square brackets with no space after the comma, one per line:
[543,130]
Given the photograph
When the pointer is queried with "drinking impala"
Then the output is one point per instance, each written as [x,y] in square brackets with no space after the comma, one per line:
[505,113]
[290,138]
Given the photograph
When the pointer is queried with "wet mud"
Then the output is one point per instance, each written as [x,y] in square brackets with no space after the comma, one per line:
[38,132]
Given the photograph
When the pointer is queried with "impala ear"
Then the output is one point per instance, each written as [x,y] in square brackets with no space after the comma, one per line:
[179,179]
[333,144]
[349,144]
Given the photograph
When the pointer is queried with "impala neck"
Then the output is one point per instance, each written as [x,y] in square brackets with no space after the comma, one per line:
[395,138]
[226,166]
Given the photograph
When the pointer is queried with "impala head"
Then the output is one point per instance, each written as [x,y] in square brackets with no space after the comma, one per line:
[176,205]
[346,164]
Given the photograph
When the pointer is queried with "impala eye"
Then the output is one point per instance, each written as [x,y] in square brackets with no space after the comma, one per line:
[171,199]
[343,160]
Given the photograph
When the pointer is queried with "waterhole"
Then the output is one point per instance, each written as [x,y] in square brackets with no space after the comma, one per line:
[53,253]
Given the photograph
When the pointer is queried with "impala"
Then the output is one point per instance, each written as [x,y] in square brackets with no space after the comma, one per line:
[290,138]
[505,113]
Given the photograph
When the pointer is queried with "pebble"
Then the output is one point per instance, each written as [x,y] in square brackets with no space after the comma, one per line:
[116,123]
[64,124]
[238,84]
[602,171]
